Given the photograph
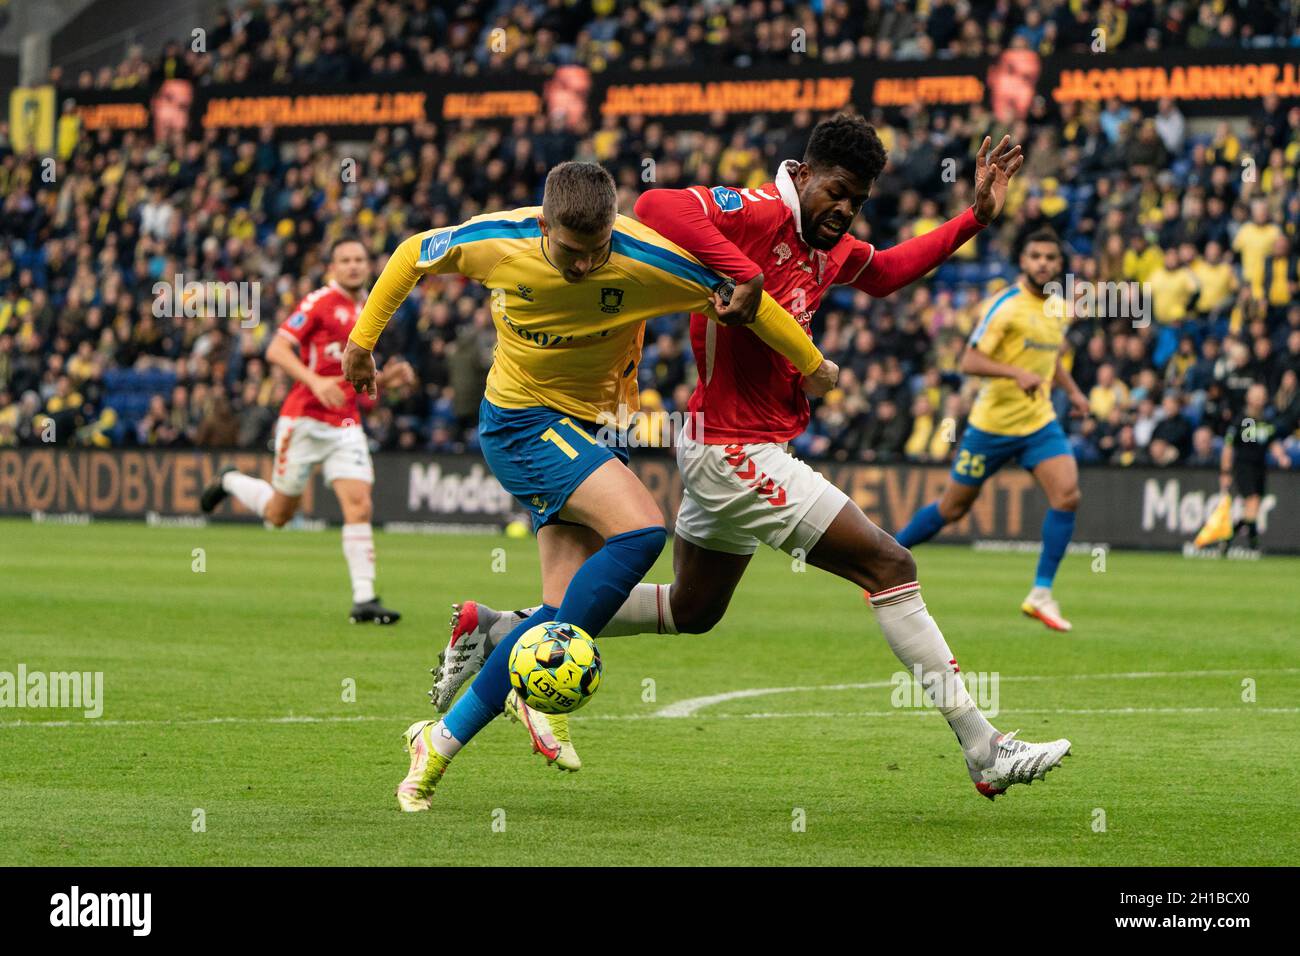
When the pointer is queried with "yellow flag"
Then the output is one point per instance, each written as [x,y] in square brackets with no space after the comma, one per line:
[1219,526]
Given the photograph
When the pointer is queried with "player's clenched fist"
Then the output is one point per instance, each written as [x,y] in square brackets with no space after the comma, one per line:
[1030,382]
[741,307]
[359,369]
[823,380]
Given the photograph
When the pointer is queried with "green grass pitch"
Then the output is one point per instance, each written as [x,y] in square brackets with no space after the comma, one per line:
[224,692]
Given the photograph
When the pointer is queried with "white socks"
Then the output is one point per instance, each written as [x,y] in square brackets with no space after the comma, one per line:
[443,742]
[358,539]
[916,640]
[359,551]
[252,493]
[646,611]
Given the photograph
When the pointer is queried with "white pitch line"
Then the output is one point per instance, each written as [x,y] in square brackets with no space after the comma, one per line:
[692,706]
[761,715]
[197,721]
[919,712]
[688,707]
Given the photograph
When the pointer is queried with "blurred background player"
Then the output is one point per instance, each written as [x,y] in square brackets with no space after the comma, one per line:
[741,484]
[1016,348]
[571,283]
[1243,465]
[320,423]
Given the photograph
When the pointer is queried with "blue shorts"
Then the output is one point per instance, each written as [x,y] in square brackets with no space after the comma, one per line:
[982,453]
[540,455]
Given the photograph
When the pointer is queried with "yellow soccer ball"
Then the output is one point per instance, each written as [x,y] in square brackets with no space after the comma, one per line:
[556,667]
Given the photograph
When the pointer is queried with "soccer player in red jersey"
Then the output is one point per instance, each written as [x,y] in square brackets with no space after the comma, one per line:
[320,423]
[742,486]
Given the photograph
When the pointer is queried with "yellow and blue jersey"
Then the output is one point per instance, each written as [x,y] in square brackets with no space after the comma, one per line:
[570,347]
[1021,328]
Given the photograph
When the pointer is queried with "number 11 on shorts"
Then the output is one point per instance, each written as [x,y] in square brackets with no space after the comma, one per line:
[551,435]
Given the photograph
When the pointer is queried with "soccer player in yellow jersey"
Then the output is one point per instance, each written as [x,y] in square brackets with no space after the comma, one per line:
[1017,348]
[571,284]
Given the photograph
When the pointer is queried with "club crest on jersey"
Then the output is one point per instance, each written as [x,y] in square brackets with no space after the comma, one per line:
[782,253]
[435,246]
[525,292]
[728,199]
[611,300]
[342,314]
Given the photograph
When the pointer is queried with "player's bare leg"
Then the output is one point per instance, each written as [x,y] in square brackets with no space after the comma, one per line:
[929,520]
[858,551]
[956,500]
[280,509]
[703,584]
[1059,478]
[359,551]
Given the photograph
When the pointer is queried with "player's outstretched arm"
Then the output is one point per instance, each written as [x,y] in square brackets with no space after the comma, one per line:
[885,271]
[393,286]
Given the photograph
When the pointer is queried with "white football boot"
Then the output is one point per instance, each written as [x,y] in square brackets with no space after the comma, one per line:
[1016,761]
[475,629]
[1041,605]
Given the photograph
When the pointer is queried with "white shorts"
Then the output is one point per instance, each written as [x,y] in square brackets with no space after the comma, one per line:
[303,443]
[736,496]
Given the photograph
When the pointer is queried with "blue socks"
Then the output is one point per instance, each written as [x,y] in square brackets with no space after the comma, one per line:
[1058,528]
[599,589]
[925,524]
[606,578]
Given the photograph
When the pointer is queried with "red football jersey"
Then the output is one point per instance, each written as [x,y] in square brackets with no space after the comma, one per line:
[748,392]
[321,325]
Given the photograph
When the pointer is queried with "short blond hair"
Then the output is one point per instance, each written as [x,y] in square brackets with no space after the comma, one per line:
[581,197]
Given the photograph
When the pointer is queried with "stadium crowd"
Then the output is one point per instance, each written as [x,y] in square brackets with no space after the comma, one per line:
[108,333]
[310,41]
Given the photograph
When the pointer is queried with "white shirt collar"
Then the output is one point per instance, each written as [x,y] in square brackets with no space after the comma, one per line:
[789,195]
